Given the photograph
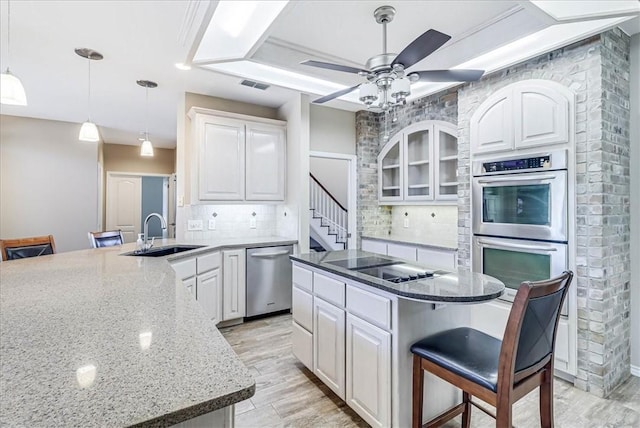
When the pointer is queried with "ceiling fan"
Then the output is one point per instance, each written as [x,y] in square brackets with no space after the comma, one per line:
[388,83]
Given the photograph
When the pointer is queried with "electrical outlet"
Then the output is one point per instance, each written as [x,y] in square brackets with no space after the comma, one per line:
[212,224]
[181,201]
[252,223]
[194,225]
[406,222]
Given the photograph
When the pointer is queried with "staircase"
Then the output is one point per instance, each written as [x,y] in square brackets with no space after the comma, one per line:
[327,218]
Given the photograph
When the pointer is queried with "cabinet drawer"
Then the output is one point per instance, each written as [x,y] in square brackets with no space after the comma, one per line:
[302,345]
[208,262]
[302,308]
[303,278]
[184,268]
[329,289]
[406,252]
[368,306]
[442,259]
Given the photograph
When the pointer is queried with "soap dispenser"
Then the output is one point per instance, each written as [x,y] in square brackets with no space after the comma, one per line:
[140,242]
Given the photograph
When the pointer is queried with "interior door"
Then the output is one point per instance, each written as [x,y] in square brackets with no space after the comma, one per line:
[123,205]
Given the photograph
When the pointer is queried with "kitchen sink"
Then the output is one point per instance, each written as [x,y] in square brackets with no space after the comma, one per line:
[163,251]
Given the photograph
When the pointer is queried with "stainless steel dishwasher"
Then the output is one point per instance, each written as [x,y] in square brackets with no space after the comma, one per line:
[268,280]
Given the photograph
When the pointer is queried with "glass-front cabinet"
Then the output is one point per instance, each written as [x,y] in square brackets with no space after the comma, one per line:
[420,164]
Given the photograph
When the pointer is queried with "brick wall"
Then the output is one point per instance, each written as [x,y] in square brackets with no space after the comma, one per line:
[597,71]
[371,129]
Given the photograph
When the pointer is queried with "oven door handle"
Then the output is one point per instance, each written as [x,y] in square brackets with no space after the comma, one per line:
[517,246]
[503,179]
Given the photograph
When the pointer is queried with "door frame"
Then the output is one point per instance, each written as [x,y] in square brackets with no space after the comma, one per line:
[352,185]
[166,197]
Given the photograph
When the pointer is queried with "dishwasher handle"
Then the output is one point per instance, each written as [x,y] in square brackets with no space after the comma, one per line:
[273,254]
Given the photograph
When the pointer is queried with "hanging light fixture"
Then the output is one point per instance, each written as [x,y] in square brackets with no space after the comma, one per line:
[11,89]
[146,149]
[89,130]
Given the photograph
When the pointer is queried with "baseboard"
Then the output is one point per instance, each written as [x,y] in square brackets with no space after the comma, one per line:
[635,370]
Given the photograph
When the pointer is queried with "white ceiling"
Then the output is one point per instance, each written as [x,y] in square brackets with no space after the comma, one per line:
[144,39]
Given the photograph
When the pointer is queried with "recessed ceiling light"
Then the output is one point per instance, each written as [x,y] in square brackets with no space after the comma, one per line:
[183,66]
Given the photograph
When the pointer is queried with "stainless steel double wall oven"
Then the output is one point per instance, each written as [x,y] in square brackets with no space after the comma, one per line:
[520,217]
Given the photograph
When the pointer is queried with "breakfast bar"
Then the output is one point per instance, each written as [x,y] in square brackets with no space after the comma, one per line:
[356,314]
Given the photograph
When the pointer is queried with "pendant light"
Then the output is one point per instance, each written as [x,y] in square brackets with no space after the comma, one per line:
[89,130]
[147,148]
[11,89]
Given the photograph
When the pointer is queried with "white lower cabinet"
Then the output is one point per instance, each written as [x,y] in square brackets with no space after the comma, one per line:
[302,345]
[329,345]
[209,294]
[369,371]
[443,259]
[433,257]
[407,252]
[233,284]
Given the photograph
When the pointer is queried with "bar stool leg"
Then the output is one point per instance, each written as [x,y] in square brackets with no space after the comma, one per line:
[418,385]
[466,414]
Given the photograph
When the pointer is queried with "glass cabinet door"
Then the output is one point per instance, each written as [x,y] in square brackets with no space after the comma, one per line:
[418,172]
[447,163]
[390,179]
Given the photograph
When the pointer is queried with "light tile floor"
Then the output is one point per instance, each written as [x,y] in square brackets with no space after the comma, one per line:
[289,395]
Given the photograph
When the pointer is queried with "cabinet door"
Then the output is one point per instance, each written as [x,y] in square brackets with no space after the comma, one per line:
[234,284]
[369,371]
[389,171]
[541,116]
[190,283]
[329,345]
[374,246]
[441,259]
[406,252]
[209,294]
[266,162]
[491,126]
[418,163]
[446,152]
[221,158]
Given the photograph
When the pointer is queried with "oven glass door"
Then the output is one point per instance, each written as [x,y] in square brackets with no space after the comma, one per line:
[527,206]
[515,261]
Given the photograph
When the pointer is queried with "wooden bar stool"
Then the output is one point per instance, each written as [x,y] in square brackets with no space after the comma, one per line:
[21,248]
[110,238]
[497,372]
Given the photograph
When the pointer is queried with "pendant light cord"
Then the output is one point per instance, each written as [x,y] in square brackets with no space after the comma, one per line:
[89,88]
[8,34]
[146,113]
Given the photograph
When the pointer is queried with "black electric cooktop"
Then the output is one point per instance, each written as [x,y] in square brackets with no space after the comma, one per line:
[386,269]
[363,262]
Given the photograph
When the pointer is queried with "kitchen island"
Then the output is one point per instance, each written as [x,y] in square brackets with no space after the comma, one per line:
[355,316]
[95,338]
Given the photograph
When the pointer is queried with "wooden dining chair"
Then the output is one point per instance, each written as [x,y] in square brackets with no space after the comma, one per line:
[497,372]
[20,248]
[110,238]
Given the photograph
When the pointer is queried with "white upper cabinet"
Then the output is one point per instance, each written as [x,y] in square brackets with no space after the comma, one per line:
[419,164]
[265,166]
[238,158]
[526,114]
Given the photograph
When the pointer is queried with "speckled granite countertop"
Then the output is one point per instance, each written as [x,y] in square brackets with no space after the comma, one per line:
[461,286]
[92,338]
[440,245]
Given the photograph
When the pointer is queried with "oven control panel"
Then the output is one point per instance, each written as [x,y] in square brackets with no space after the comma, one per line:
[539,162]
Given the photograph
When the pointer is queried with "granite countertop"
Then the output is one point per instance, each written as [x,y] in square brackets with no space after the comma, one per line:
[460,286]
[439,245]
[93,338]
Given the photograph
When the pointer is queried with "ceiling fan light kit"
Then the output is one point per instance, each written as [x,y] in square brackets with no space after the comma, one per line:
[388,84]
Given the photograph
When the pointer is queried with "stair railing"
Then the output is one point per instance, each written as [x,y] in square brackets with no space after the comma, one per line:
[328,209]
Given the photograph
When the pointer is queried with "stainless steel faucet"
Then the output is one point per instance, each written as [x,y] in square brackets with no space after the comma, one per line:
[146,245]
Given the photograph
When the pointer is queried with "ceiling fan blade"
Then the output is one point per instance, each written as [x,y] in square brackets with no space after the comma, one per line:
[336,67]
[449,75]
[335,95]
[421,47]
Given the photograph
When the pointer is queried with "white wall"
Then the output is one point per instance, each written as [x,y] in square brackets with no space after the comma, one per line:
[635,204]
[332,130]
[296,113]
[333,174]
[48,182]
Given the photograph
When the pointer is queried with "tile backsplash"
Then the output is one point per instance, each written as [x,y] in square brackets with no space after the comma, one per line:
[235,221]
[435,224]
